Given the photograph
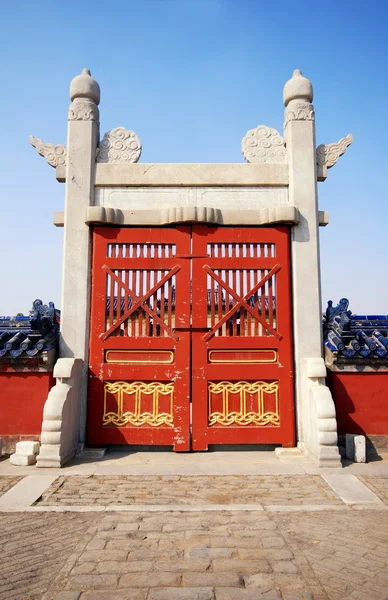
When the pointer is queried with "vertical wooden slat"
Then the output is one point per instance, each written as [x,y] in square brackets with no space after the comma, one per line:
[234,318]
[126,302]
[263,307]
[212,302]
[141,293]
[249,287]
[134,289]
[156,328]
[256,301]
[242,319]
[169,304]
[270,306]
[147,317]
[162,300]
[111,300]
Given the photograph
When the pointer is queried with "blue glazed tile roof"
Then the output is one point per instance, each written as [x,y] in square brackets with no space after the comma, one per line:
[355,336]
[28,336]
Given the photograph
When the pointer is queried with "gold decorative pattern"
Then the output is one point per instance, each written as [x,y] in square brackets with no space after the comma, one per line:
[247,361]
[167,354]
[261,389]
[138,389]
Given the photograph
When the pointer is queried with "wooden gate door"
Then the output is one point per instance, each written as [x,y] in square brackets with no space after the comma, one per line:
[242,380]
[139,387]
[200,314]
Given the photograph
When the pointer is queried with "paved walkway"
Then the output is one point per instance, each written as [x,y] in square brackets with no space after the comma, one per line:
[296,535]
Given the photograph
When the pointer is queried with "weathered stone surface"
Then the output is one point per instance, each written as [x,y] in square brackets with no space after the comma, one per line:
[309,565]
[201,593]
[230,489]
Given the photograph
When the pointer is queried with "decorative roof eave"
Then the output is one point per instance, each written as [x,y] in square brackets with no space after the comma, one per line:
[357,340]
[29,338]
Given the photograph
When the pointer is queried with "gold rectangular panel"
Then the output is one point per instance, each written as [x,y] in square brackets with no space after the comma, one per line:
[242,356]
[140,357]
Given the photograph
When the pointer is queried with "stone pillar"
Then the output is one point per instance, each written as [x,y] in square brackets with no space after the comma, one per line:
[82,141]
[299,134]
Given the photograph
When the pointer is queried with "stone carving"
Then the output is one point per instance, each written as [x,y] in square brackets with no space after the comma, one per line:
[328,154]
[263,145]
[321,430]
[54,155]
[83,109]
[119,146]
[59,437]
[299,111]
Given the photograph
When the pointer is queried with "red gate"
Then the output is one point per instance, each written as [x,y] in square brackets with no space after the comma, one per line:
[139,387]
[221,340]
[242,386]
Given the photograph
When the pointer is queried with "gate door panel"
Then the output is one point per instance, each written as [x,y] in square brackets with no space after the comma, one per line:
[242,386]
[139,386]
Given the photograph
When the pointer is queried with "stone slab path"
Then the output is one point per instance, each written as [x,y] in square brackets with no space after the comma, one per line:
[205,537]
[189,490]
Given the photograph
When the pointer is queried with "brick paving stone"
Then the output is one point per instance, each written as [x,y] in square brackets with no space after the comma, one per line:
[378,485]
[325,555]
[132,594]
[33,549]
[189,490]
[150,579]
[244,594]
[181,594]
[93,581]
[7,482]
[327,542]
[222,578]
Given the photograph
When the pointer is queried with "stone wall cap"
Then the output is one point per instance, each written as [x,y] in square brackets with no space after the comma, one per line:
[297,88]
[84,86]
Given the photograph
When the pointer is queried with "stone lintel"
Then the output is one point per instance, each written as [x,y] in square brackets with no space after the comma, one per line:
[187,174]
[112,216]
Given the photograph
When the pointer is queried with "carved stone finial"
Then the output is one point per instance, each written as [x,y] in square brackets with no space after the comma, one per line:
[119,146]
[84,86]
[328,154]
[297,88]
[263,145]
[54,155]
[297,97]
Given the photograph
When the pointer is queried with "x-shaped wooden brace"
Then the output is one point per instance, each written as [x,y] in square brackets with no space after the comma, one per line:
[139,302]
[242,302]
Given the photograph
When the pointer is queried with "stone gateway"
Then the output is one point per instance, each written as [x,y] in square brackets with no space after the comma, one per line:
[191,303]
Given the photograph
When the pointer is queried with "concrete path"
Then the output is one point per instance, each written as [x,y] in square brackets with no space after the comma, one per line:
[79,534]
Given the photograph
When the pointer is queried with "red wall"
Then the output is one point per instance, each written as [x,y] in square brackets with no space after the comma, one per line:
[22,398]
[361,401]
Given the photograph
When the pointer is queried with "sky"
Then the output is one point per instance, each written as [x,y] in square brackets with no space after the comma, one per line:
[190,77]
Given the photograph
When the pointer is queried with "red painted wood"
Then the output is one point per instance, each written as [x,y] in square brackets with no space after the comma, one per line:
[253,257]
[221,310]
[139,262]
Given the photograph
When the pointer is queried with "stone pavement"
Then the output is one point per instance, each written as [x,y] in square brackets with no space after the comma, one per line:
[189,490]
[289,536]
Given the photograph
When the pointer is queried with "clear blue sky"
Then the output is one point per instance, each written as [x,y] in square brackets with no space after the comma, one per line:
[190,77]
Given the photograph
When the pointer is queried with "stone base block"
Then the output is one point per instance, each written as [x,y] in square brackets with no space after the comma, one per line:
[25,455]
[355,447]
[22,460]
